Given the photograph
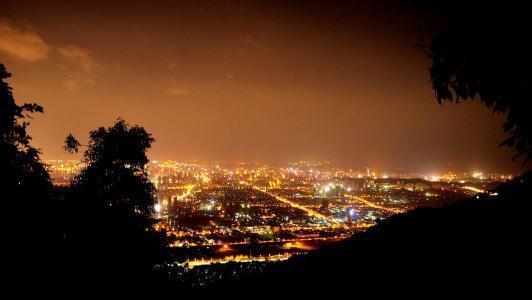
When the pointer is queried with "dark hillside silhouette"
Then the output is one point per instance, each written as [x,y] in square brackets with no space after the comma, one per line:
[470,244]
[482,53]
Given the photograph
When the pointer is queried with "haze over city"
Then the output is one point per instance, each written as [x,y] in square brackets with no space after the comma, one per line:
[366,147]
[246,81]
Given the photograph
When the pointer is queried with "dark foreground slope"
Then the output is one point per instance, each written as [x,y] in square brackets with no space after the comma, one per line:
[482,242]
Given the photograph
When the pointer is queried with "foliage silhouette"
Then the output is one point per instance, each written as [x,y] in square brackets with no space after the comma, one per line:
[25,187]
[97,230]
[25,182]
[115,176]
[113,202]
[482,52]
[23,173]
[71,144]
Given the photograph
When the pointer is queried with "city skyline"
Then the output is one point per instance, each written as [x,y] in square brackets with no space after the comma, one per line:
[374,172]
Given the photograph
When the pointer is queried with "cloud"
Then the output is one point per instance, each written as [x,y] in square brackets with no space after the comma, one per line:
[75,82]
[78,56]
[76,64]
[22,44]
[176,92]
[71,84]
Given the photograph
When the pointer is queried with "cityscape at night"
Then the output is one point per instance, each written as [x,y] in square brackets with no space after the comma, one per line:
[281,145]
[217,213]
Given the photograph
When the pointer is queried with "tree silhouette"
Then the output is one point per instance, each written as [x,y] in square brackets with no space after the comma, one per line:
[113,201]
[23,174]
[71,144]
[26,184]
[115,176]
[483,53]
[25,188]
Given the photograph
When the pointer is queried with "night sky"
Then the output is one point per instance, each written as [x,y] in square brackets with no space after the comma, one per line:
[274,81]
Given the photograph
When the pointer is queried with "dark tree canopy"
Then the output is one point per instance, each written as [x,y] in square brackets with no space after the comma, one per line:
[484,52]
[71,144]
[25,186]
[111,205]
[13,131]
[23,173]
[115,175]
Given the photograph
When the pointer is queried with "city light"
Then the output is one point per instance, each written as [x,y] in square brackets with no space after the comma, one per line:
[290,209]
[154,146]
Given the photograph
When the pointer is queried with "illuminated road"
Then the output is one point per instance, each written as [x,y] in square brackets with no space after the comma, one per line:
[194,245]
[473,189]
[309,211]
[237,258]
[373,205]
[188,191]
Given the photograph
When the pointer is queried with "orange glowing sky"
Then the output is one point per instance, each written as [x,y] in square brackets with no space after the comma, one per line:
[245,80]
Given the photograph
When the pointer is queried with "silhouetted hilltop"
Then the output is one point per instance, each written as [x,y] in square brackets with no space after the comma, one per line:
[481,239]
